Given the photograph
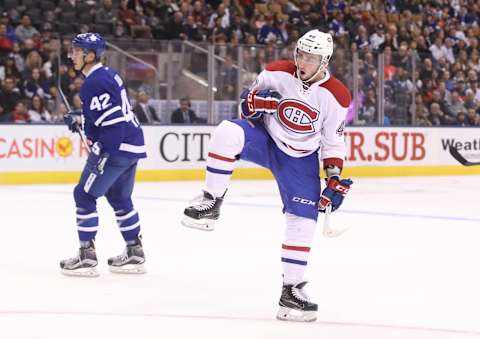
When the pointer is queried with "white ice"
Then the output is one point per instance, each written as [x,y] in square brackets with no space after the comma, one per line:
[409,267]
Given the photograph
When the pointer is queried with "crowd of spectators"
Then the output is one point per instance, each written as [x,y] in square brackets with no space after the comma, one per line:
[431,61]
[430,49]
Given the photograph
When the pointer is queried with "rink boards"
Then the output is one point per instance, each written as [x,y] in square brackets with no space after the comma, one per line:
[51,154]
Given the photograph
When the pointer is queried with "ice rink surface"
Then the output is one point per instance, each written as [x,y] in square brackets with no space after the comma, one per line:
[409,267]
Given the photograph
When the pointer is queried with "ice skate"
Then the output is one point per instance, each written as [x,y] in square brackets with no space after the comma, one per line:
[203,212]
[131,261]
[295,305]
[82,265]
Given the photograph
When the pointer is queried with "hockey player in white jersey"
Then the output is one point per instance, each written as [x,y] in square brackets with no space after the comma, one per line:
[293,120]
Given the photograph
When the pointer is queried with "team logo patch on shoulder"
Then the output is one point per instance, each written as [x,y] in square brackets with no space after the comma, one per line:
[297,116]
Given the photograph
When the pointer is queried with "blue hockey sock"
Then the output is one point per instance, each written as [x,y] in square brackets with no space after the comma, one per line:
[129,224]
[87,224]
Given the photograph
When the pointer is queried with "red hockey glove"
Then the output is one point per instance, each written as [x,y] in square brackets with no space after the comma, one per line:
[334,193]
[256,103]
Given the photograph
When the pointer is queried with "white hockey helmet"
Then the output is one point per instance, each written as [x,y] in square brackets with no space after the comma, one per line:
[317,43]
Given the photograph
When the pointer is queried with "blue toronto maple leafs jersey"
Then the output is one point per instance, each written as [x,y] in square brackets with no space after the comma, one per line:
[108,115]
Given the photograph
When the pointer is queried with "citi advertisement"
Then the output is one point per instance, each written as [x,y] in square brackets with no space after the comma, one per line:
[53,148]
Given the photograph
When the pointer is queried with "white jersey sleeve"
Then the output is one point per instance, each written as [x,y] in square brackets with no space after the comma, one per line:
[263,81]
[333,140]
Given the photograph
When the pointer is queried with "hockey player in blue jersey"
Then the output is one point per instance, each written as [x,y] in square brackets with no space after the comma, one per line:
[117,143]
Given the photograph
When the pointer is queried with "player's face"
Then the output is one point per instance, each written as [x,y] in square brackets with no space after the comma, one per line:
[307,64]
[76,55]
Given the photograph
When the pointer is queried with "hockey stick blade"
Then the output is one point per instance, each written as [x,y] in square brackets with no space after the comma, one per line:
[329,231]
[456,154]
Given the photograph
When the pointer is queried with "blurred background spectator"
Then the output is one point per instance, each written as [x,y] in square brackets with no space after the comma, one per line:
[37,112]
[227,80]
[185,115]
[20,114]
[145,113]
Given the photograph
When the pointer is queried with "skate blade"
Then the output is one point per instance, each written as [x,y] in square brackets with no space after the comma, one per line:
[202,224]
[128,269]
[289,314]
[90,272]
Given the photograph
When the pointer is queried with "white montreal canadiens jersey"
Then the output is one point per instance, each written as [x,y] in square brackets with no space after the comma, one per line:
[108,114]
[307,120]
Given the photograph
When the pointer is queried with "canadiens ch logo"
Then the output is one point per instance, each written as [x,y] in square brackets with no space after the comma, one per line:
[297,116]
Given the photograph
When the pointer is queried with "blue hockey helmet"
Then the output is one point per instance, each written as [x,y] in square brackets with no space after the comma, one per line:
[90,42]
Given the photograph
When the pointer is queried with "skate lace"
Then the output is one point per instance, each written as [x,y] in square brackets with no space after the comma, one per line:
[200,203]
[300,294]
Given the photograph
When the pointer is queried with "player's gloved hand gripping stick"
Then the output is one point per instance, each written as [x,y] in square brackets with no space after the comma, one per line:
[334,193]
[95,163]
[330,200]
[73,120]
[96,158]
[256,103]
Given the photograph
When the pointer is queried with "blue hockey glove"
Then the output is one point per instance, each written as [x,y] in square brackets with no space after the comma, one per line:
[256,103]
[334,193]
[97,159]
[73,120]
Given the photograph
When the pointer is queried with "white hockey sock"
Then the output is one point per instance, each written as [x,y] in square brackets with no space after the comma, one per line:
[296,247]
[226,143]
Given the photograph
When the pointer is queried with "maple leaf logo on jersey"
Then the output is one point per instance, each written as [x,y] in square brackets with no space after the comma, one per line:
[297,116]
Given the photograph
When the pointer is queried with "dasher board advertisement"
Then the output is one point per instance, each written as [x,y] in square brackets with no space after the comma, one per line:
[50,153]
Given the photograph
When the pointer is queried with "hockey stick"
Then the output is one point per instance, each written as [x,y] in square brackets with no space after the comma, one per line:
[328,230]
[456,154]
[83,137]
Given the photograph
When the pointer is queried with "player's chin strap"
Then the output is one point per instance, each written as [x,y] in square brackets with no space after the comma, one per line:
[321,68]
[85,53]
[84,63]
[307,82]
